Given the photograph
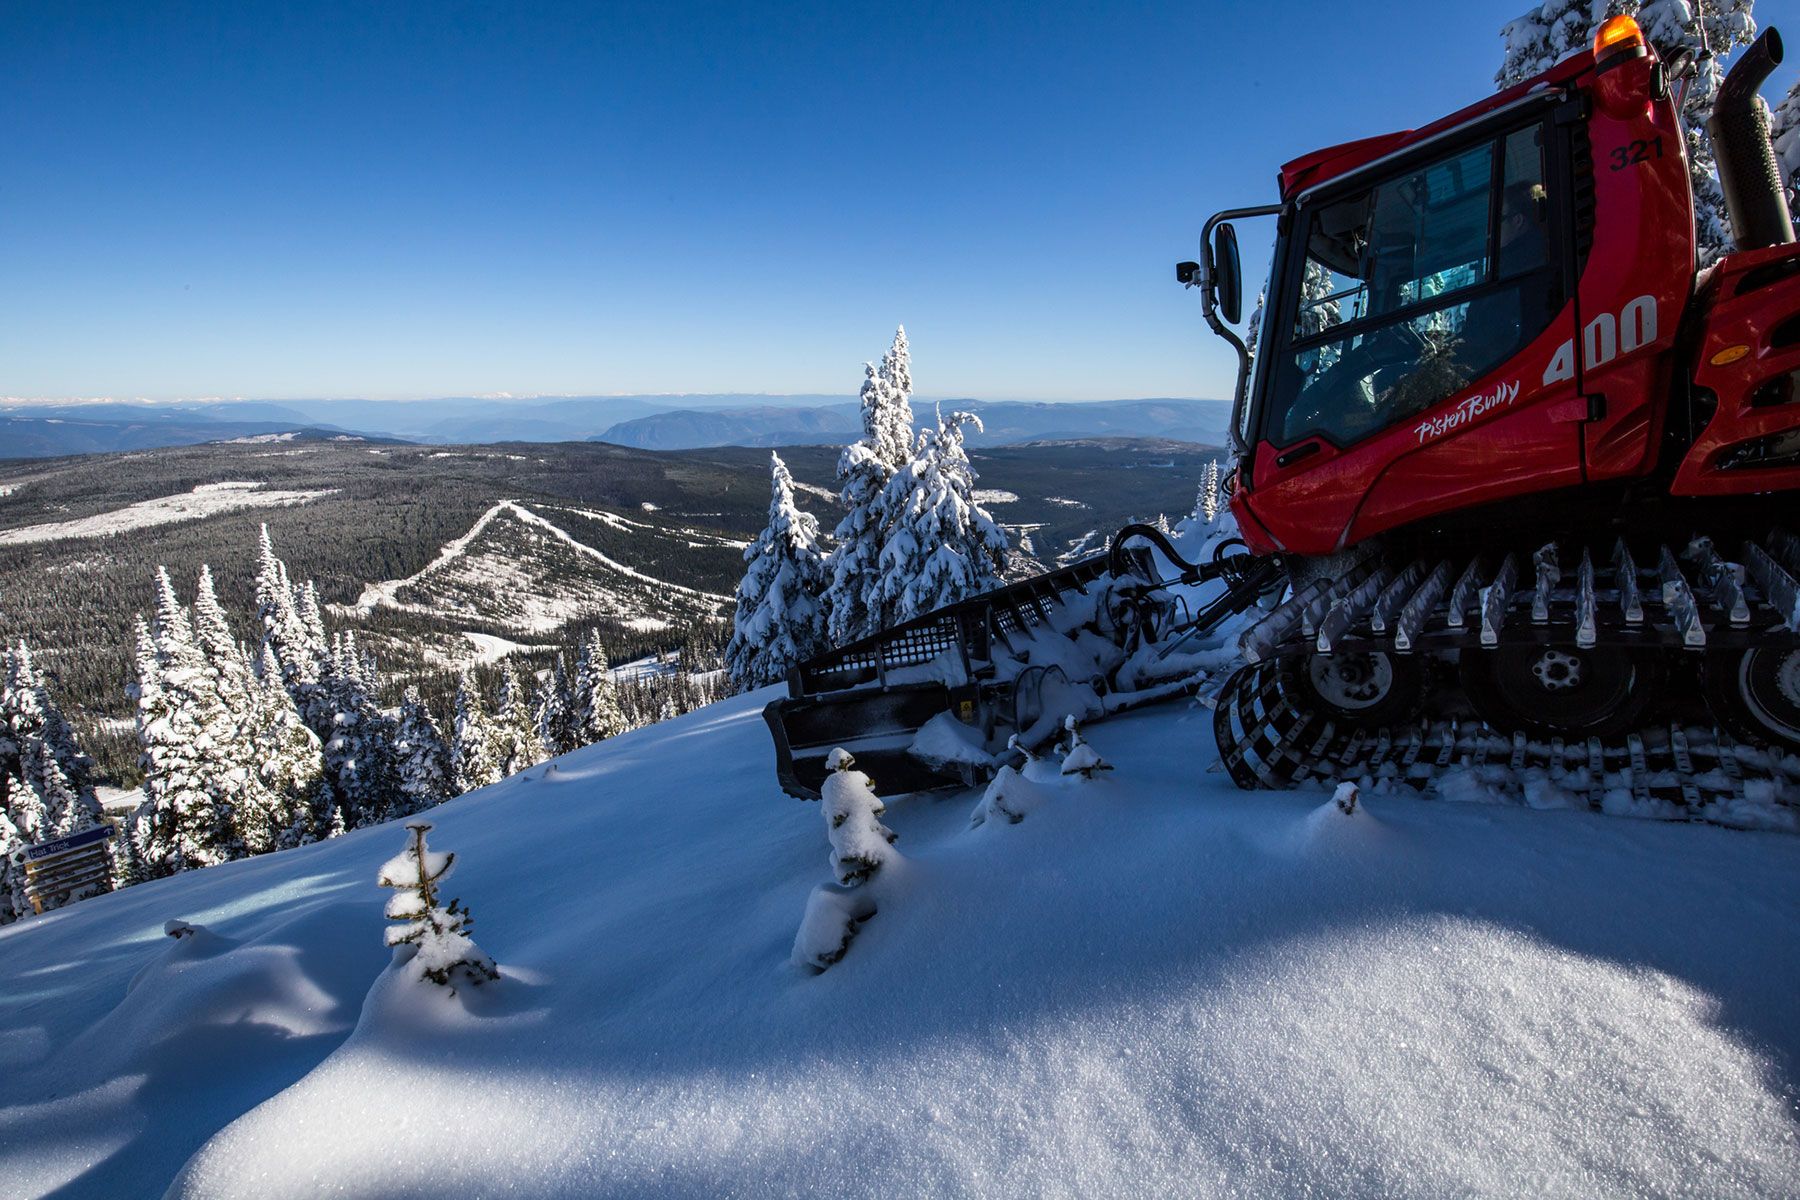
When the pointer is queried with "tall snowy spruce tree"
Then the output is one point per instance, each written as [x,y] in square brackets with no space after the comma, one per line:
[184,731]
[554,710]
[421,757]
[298,650]
[334,687]
[46,782]
[472,759]
[1536,40]
[270,801]
[780,619]
[597,714]
[292,762]
[513,732]
[358,738]
[941,546]
[865,468]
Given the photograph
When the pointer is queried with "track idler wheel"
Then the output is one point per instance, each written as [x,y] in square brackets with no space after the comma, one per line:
[1562,691]
[1755,693]
[1362,689]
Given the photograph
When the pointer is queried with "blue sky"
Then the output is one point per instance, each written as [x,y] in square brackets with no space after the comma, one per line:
[394,199]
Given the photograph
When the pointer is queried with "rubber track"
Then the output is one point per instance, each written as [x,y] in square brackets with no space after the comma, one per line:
[1673,772]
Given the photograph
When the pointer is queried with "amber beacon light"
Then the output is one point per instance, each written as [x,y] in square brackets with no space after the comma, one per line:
[1617,36]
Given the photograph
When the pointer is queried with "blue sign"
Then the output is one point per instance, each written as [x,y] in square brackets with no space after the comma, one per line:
[74,841]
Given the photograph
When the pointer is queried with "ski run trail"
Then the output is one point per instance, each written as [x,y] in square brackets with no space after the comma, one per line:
[1152,985]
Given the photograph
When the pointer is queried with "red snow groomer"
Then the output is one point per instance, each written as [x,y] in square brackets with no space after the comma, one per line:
[1511,480]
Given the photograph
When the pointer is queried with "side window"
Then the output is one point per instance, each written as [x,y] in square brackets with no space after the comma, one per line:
[1414,288]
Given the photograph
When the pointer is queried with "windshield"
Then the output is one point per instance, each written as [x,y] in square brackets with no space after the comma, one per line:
[1413,288]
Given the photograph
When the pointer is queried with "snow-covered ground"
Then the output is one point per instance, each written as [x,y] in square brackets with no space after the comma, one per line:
[117,800]
[207,500]
[522,570]
[491,649]
[1153,985]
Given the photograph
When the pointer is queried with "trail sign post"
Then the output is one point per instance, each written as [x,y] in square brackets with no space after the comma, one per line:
[66,869]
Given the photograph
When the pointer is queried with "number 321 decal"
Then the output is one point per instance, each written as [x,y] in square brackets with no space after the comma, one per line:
[1636,152]
[1605,338]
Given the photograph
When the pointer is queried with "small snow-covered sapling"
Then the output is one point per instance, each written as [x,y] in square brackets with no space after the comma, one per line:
[438,934]
[1345,797]
[860,843]
[1079,758]
[833,916]
[178,929]
[1009,795]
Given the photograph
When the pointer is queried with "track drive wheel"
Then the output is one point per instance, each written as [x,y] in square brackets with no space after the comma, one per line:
[1562,691]
[1755,693]
[1364,689]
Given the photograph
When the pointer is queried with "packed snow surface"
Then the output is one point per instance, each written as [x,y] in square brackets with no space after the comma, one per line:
[1152,984]
[207,500]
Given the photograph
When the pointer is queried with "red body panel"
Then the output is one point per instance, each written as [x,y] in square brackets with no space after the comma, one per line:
[1761,319]
[1333,499]
[1643,251]
[1584,401]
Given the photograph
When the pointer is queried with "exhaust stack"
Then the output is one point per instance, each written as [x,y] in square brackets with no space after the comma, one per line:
[1748,175]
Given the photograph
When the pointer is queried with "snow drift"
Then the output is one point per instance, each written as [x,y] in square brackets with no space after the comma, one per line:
[1151,984]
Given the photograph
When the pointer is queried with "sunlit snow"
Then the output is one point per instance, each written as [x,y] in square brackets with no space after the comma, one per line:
[207,500]
[1152,985]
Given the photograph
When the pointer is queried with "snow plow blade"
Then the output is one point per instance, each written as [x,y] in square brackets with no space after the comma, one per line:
[879,723]
[872,696]
[1015,660]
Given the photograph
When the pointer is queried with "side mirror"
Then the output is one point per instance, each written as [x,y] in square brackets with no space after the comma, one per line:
[1228,274]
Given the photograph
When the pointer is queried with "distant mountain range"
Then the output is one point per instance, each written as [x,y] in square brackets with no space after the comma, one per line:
[645,422]
[1005,423]
[123,427]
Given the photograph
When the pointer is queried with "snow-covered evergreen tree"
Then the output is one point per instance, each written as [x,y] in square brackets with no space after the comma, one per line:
[780,619]
[358,739]
[554,711]
[513,731]
[941,547]
[263,812]
[38,749]
[1211,500]
[285,633]
[186,820]
[860,843]
[472,760]
[128,862]
[46,782]
[435,935]
[864,470]
[291,761]
[1536,40]
[597,712]
[421,757]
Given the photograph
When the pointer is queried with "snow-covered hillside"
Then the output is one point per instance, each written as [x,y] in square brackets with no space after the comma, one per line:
[522,571]
[1152,985]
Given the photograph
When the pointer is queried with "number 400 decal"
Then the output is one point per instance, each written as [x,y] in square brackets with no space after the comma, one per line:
[1605,338]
